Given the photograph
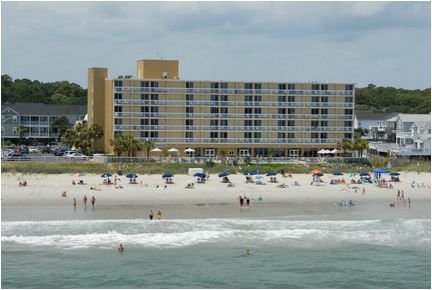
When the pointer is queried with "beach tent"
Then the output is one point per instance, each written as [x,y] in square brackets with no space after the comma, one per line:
[271,174]
[106,175]
[223,174]
[202,175]
[380,170]
[131,175]
[394,174]
[167,175]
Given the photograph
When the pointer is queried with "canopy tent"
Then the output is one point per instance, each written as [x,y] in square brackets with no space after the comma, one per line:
[106,175]
[202,175]
[223,174]
[271,174]
[167,175]
[131,175]
[394,174]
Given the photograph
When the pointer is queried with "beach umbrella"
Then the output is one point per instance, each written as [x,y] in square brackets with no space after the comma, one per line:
[199,174]
[173,150]
[271,174]
[131,175]
[167,175]
[252,172]
[79,174]
[380,170]
[315,171]
[337,173]
[156,150]
[318,174]
[364,174]
[334,151]
[223,174]
[189,150]
[106,175]
[322,151]
[258,177]
[394,174]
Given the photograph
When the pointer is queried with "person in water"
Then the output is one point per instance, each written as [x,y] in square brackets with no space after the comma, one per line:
[120,248]
[151,214]
[159,214]
[85,200]
[93,200]
[248,252]
[74,202]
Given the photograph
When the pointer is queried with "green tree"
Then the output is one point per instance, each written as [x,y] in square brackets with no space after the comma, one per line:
[21,129]
[69,137]
[149,145]
[360,145]
[119,144]
[59,125]
[96,132]
[344,145]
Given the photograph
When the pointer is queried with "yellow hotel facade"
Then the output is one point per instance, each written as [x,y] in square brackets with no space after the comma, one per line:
[219,118]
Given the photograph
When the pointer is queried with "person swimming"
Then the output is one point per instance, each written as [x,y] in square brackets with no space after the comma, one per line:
[120,248]
[248,252]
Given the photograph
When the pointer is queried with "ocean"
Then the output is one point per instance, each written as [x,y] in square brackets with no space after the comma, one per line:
[287,252]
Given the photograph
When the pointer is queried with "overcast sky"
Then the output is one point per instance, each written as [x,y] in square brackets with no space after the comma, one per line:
[385,43]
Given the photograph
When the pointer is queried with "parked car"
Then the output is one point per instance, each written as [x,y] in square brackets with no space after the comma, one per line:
[16,157]
[33,150]
[59,151]
[69,152]
[23,149]
[76,156]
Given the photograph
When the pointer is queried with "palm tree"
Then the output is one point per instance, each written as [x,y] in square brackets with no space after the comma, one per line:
[96,132]
[21,129]
[149,145]
[360,145]
[134,146]
[344,145]
[119,145]
[69,137]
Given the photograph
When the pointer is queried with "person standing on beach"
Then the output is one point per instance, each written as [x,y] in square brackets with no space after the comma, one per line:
[247,201]
[74,202]
[85,200]
[402,195]
[409,202]
[93,200]
[159,214]
[151,214]
[241,200]
[398,194]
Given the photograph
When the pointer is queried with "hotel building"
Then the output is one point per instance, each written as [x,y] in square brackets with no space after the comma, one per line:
[220,118]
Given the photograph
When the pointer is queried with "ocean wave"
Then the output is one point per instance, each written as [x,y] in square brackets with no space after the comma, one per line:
[74,234]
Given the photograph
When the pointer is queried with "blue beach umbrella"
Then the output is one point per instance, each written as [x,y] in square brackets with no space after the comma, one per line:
[337,173]
[394,174]
[380,170]
[167,175]
[271,174]
[223,174]
[106,175]
[364,174]
[199,174]
[131,175]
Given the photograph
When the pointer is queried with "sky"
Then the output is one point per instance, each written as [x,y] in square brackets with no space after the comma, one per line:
[384,43]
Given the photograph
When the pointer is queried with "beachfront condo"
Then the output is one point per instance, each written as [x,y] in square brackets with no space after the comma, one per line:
[219,118]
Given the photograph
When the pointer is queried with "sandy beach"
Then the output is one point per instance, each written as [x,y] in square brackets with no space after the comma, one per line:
[212,199]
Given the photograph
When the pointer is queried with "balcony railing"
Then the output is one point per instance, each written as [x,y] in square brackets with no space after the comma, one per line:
[243,140]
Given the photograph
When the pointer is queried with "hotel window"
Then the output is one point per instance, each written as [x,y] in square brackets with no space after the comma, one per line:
[154,84]
[347,135]
[224,85]
[189,97]
[248,135]
[281,99]
[324,87]
[281,123]
[257,123]
[214,85]
[348,111]
[315,99]
[144,122]
[323,135]
[248,123]
[257,111]
[189,110]
[117,133]
[118,121]
[248,99]
[348,99]
[248,110]
[213,135]
[291,86]
[324,99]
[154,134]
[189,122]
[282,111]
[154,122]
[189,85]
[144,84]
[118,109]
[281,135]
[154,97]
[258,98]
[144,134]
[144,97]
[224,122]
[154,109]
[213,122]
[258,86]
[248,86]
[188,135]
[224,98]
[324,111]
[224,110]
[144,109]
[214,98]
[214,110]
[348,124]
[314,124]
[257,135]
[324,123]
[314,135]
[223,135]
[290,123]
[118,96]
[282,86]
[118,83]
[315,87]
[348,87]
[314,111]
[290,111]
[291,99]
[290,135]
